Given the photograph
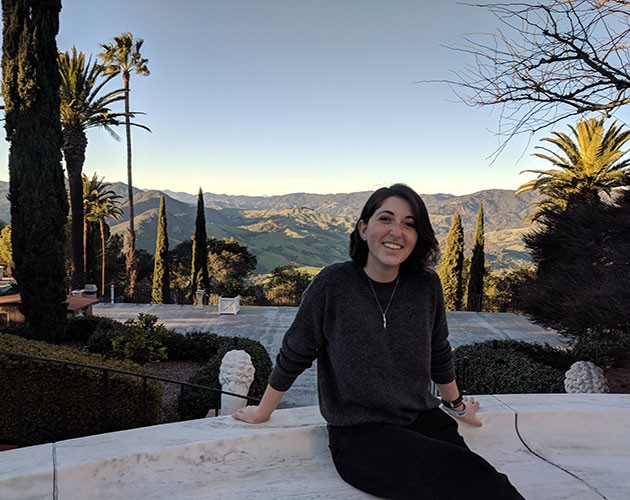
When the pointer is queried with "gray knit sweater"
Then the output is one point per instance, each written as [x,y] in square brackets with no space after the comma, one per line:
[366,373]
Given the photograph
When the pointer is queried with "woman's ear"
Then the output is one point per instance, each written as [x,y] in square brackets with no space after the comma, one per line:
[362,226]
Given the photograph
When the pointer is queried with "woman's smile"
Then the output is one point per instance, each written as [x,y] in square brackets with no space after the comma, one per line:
[391,237]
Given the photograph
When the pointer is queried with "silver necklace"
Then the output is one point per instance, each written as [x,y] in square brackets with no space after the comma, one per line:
[383,313]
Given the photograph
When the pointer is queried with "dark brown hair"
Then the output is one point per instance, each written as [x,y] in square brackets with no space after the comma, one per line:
[427,248]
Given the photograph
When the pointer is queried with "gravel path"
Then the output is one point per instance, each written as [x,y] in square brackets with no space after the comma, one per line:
[173,370]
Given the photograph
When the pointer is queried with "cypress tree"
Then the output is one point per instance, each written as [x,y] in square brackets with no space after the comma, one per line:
[451,268]
[161,293]
[474,298]
[199,277]
[39,207]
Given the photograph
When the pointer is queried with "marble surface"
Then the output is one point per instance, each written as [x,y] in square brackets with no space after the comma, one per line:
[551,446]
[27,473]
[585,436]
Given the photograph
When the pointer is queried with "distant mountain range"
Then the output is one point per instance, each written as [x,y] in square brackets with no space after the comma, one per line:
[312,229]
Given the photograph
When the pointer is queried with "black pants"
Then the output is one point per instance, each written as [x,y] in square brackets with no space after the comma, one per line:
[427,460]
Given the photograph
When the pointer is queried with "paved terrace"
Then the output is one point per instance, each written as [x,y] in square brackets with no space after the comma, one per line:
[268,324]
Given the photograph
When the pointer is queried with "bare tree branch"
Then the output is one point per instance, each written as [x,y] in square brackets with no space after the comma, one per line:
[548,62]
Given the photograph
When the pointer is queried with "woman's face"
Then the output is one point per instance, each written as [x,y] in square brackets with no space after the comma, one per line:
[391,237]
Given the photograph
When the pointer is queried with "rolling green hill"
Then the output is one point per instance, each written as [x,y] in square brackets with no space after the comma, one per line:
[276,237]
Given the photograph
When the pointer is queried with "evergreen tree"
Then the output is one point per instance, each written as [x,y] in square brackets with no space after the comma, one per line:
[115,258]
[180,263]
[582,285]
[502,291]
[199,274]
[286,285]
[161,293]
[474,297]
[230,264]
[39,207]
[6,251]
[451,268]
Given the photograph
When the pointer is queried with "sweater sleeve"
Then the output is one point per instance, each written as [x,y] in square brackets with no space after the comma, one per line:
[301,342]
[442,367]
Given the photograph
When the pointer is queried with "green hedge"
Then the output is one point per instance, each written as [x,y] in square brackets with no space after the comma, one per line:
[63,403]
[194,346]
[81,328]
[195,403]
[511,367]
[604,348]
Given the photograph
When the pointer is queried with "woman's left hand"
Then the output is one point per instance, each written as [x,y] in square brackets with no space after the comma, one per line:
[471,412]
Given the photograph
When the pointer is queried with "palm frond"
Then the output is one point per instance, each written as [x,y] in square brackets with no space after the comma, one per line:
[587,162]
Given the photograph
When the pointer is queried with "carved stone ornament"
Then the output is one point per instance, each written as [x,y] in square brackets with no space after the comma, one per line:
[236,375]
[585,377]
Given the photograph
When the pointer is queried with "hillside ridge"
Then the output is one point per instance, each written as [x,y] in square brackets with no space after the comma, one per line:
[312,229]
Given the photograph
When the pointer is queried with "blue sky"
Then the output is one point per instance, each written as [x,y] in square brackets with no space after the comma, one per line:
[265,97]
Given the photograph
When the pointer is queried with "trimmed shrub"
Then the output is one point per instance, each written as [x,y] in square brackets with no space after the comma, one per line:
[82,328]
[145,341]
[18,329]
[511,367]
[138,340]
[60,402]
[605,349]
[195,403]
[175,345]
[545,354]
[194,346]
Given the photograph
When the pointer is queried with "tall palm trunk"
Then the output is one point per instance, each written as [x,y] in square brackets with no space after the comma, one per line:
[86,231]
[101,225]
[132,274]
[88,253]
[100,203]
[122,57]
[74,146]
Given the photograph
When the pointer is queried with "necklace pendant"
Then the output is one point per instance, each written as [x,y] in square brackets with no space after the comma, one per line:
[383,312]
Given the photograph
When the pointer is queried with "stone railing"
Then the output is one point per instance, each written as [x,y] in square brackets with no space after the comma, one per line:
[552,446]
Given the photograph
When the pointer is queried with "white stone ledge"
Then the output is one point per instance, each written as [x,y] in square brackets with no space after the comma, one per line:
[552,447]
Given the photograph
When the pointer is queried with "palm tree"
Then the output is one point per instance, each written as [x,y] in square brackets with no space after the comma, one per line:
[123,57]
[82,106]
[587,164]
[100,203]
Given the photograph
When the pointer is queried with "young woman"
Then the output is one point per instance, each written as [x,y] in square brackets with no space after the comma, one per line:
[377,327]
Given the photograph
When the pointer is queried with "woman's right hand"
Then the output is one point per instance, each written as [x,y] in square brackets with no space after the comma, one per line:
[251,415]
[261,413]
